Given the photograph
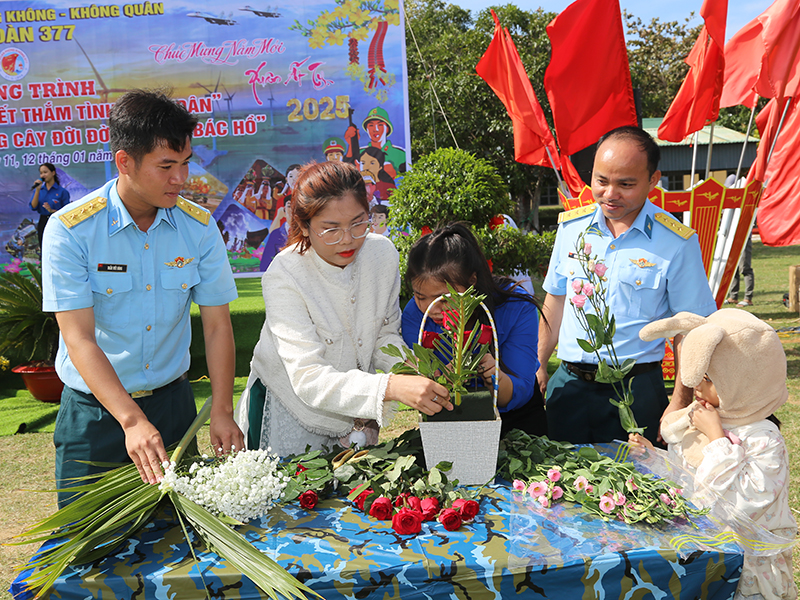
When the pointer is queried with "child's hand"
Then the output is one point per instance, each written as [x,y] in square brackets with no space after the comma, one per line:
[639,443]
[706,419]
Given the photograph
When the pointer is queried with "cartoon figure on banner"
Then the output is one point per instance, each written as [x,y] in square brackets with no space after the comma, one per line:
[282,191]
[380,184]
[333,148]
[278,234]
[379,215]
[378,127]
[254,191]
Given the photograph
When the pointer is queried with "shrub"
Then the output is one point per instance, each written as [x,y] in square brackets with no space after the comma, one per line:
[453,185]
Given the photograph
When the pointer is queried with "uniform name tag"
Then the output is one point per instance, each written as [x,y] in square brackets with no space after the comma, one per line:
[112,268]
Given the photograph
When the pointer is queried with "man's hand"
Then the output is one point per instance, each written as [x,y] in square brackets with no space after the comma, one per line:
[146,449]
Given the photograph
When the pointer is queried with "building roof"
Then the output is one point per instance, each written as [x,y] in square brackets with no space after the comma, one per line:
[722,135]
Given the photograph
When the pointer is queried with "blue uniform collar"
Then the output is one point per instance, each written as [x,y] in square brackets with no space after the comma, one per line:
[643,222]
[119,218]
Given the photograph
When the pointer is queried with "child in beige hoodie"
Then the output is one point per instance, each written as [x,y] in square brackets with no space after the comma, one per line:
[728,437]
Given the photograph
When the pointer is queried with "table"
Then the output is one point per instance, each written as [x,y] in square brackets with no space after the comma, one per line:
[511,550]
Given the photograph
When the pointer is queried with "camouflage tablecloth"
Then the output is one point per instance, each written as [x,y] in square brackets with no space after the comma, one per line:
[511,550]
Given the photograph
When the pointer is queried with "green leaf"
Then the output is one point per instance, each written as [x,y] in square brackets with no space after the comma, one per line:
[586,346]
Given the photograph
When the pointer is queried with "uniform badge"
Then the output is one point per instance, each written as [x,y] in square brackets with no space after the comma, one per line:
[179,262]
[642,263]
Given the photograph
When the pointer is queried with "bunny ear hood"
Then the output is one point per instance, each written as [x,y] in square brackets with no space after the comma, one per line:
[742,355]
[680,324]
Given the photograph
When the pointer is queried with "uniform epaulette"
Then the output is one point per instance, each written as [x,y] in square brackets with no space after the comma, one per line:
[674,225]
[80,213]
[576,213]
[194,211]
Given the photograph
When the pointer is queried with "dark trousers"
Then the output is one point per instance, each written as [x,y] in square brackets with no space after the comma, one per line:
[86,431]
[579,412]
[530,417]
[40,227]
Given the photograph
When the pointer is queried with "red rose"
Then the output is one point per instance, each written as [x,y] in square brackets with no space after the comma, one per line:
[450,519]
[485,335]
[308,499]
[362,497]
[300,469]
[413,503]
[400,501]
[430,508]
[496,221]
[466,508]
[407,522]
[381,509]
[428,337]
[449,319]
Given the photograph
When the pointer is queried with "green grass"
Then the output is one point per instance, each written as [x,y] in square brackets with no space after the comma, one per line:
[27,462]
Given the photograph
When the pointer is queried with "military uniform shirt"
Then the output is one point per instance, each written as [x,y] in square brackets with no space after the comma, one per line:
[140,284]
[653,273]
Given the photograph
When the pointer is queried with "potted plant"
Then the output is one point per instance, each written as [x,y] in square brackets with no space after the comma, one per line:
[29,333]
[468,437]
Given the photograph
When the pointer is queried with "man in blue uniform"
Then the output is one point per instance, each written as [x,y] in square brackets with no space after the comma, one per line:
[655,270]
[121,268]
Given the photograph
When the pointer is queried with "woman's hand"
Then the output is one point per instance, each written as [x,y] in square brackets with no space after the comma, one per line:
[705,417]
[420,393]
[487,368]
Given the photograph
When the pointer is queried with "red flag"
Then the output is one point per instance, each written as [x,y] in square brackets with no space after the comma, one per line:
[502,69]
[764,56]
[767,122]
[697,102]
[588,80]
[779,209]
[571,177]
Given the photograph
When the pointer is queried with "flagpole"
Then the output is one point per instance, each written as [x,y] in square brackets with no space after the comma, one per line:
[694,162]
[746,138]
[710,146]
[553,164]
[777,133]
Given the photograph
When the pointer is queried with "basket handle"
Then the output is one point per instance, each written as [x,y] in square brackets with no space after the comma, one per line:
[495,383]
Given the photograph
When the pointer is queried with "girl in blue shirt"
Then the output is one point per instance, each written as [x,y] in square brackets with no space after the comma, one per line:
[452,255]
[48,196]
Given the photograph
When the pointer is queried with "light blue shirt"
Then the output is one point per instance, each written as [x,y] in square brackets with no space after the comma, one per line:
[140,285]
[653,273]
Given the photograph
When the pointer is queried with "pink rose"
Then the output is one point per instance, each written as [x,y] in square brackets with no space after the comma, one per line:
[543,501]
[466,508]
[581,483]
[577,285]
[587,249]
[554,475]
[619,499]
[666,499]
[578,300]
[430,508]
[407,522]
[381,509]
[450,518]
[600,269]
[607,504]
[589,489]
[519,485]
[537,488]
[557,492]
[588,290]
[632,487]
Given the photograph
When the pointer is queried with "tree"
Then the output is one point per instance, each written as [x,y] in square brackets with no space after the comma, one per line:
[450,44]
[656,54]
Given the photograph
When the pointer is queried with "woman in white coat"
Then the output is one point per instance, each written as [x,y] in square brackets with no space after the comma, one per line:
[332,302]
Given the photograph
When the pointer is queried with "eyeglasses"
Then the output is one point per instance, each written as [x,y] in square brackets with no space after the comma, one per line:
[334,235]
[706,378]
